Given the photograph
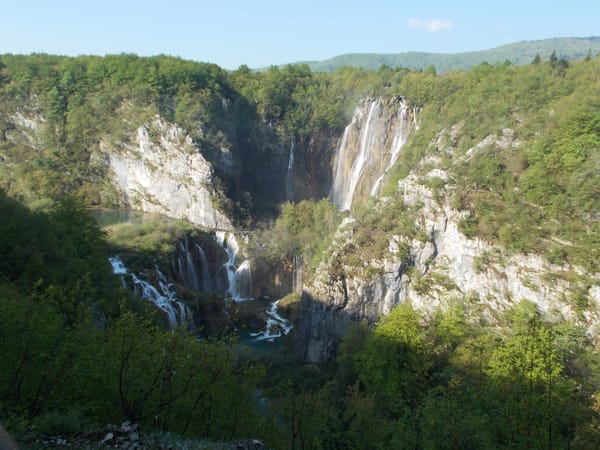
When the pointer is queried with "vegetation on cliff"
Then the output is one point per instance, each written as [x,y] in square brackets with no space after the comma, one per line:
[447,380]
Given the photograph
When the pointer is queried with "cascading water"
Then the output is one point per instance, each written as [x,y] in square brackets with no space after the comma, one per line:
[297,274]
[186,268]
[196,264]
[344,186]
[239,279]
[163,297]
[207,285]
[276,326]
[243,281]
[400,138]
[369,147]
[289,181]
[416,123]
[191,266]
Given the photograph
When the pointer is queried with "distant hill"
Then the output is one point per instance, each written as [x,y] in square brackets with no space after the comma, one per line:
[517,53]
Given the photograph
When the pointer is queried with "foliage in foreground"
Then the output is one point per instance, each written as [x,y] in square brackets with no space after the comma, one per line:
[445,381]
[74,344]
[77,355]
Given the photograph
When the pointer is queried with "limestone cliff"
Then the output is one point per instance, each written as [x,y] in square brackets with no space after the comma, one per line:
[161,171]
[429,269]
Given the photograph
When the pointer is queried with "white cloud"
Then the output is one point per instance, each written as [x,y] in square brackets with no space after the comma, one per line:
[431,25]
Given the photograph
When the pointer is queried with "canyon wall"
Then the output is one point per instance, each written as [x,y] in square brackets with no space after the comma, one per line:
[439,266]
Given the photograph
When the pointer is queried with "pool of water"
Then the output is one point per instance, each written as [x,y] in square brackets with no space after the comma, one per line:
[259,346]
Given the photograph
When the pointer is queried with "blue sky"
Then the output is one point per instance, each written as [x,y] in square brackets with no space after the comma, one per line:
[264,32]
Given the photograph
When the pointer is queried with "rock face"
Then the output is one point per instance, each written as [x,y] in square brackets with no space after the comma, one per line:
[283,168]
[369,147]
[163,172]
[441,265]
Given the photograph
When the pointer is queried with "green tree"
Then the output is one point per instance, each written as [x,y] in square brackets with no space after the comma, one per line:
[396,360]
[531,388]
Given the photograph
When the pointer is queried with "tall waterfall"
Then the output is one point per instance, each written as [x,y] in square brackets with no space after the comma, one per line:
[400,138]
[163,296]
[289,181]
[369,147]
[239,278]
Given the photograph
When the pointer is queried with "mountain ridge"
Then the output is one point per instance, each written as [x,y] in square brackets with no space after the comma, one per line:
[519,53]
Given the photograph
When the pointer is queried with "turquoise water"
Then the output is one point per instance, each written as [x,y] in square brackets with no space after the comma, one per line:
[264,348]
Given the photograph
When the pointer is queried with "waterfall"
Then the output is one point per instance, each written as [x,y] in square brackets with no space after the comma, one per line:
[369,147]
[289,182]
[204,272]
[239,279]
[297,274]
[363,155]
[117,265]
[345,184]
[163,297]
[243,281]
[277,326]
[186,266]
[416,123]
[191,266]
[400,138]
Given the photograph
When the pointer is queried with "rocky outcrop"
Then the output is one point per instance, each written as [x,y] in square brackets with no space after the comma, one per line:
[163,172]
[441,265]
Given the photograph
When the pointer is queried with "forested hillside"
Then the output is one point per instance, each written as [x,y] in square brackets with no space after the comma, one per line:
[453,303]
[519,53]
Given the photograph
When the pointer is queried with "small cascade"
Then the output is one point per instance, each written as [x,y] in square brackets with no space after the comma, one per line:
[117,266]
[289,181]
[207,285]
[163,297]
[239,279]
[277,325]
[186,267]
[191,266]
[415,122]
[297,274]
[243,281]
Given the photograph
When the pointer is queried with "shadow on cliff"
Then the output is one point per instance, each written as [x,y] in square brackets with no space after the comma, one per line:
[319,329]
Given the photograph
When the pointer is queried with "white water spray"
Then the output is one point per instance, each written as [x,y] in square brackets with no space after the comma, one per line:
[163,297]
[343,190]
[400,138]
[239,279]
[276,326]
[289,182]
[369,148]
